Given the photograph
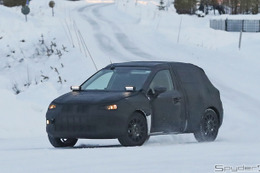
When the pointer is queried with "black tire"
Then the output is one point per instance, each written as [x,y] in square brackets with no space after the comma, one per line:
[209,125]
[62,142]
[136,132]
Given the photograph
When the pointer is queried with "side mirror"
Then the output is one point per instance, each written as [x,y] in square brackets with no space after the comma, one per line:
[159,90]
[75,88]
[156,91]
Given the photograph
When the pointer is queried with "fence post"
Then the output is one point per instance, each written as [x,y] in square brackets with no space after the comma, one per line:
[243,23]
[226,23]
[240,39]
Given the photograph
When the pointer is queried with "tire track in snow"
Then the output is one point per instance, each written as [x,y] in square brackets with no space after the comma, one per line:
[104,42]
[120,36]
[92,22]
[244,99]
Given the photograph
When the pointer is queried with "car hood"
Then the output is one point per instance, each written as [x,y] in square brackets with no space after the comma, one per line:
[92,97]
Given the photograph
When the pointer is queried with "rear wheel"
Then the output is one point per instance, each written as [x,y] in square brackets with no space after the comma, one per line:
[62,142]
[209,125]
[136,132]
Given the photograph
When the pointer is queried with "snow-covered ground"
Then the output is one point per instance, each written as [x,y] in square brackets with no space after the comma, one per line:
[107,31]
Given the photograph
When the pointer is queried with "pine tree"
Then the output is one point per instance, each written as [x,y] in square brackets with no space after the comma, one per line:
[245,6]
[185,6]
[234,6]
[12,3]
[255,6]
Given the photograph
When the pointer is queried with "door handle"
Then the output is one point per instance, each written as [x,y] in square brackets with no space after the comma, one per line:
[176,100]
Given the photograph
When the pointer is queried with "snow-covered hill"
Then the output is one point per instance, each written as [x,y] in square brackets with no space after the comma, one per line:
[41,58]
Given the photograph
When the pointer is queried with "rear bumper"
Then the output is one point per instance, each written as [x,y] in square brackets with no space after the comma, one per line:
[99,124]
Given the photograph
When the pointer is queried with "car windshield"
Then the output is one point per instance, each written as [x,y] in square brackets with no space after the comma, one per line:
[117,79]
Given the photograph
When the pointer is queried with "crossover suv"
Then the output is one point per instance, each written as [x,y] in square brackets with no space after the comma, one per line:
[134,100]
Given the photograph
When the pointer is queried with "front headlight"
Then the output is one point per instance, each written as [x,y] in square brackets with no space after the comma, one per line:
[52,106]
[111,107]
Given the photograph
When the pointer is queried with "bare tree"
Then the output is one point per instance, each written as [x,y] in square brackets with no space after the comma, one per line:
[243,6]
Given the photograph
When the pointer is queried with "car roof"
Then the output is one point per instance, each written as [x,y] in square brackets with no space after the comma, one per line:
[146,64]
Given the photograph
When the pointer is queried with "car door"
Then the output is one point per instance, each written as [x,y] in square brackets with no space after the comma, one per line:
[167,106]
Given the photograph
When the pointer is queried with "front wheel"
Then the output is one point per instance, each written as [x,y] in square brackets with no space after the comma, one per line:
[209,125]
[136,132]
[62,142]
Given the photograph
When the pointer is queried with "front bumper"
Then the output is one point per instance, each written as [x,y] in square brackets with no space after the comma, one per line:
[86,122]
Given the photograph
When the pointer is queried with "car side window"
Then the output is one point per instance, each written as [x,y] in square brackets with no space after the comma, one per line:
[162,79]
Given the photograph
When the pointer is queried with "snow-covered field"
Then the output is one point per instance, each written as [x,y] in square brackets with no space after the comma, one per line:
[115,32]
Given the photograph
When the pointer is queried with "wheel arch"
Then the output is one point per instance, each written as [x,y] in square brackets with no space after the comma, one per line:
[147,117]
[217,112]
[193,126]
[132,140]
[208,132]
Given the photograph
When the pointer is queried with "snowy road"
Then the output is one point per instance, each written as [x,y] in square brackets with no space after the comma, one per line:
[111,33]
[160,154]
[115,43]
